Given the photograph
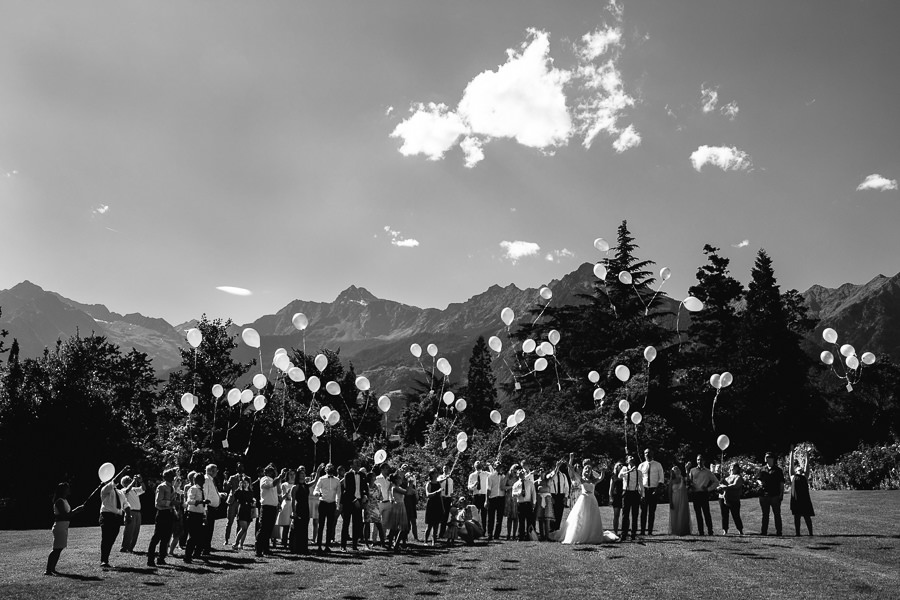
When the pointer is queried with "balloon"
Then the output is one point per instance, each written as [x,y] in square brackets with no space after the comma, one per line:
[623,373]
[296,374]
[600,271]
[726,379]
[495,344]
[443,365]
[665,273]
[540,364]
[460,405]
[234,396]
[313,384]
[601,245]
[187,402]
[384,404]
[246,396]
[318,428]
[324,412]
[279,351]
[194,337]
[250,337]
[333,388]
[715,380]
[625,277]
[462,435]
[852,362]
[547,348]
[362,384]
[432,350]
[496,417]
[828,358]
[868,358]
[448,398]
[416,350]
[218,390]
[599,393]
[636,418]
[507,315]
[520,415]
[333,418]
[649,354]
[829,335]
[106,471]
[528,346]
[546,293]
[259,381]
[692,303]
[511,421]
[539,351]
[259,402]
[553,336]
[321,362]
[723,442]
[624,406]
[300,322]
[848,350]
[380,457]
[593,376]
[461,445]
[282,362]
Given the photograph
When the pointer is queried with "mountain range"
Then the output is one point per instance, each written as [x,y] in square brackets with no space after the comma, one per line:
[375,333]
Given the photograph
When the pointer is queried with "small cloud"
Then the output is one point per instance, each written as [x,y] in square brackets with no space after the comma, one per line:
[388,111]
[111,229]
[731,110]
[431,130]
[472,148]
[811,102]
[727,159]
[557,255]
[518,250]
[741,244]
[12,173]
[513,209]
[877,182]
[397,238]
[234,291]
[709,96]
[628,139]
[101,210]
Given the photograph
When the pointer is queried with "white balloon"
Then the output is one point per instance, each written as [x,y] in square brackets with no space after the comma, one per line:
[259,402]
[828,358]
[106,472]
[636,418]
[334,417]
[194,337]
[321,362]
[665,273]
[448,398]
[300,322]
[546,293]
[852,362]
[539,351]
[553,336]
[547,348]
[250,337]
[333,388]
[495,344]
[187,402]
[692,303]
[247,396]
[623,373]
[868,358]
[362,384]
[540,364]
[296,374]
[460,405]
[624,406]
[511,421]
[218,390]
[829,335]
[234,396]
[324,411]
[259,381]
[313,384]
[318,428]
[462,435]
[443,365]
[593,376]
[380,457]
[848,350]
[520,415]
[649,354]
[601,245]
[726,379]
[599,394]
[282,362]
[496,417]
[625,277]
[507,315]
[715,380]
[416,350]
[432,350]
[528,346]
[462,445]
[384,404]
[279,351]
[723,442]
[600,271]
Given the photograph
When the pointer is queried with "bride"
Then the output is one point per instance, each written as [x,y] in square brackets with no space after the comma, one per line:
[584,525]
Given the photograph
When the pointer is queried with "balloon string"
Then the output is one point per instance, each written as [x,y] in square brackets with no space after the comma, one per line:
[647,395]
[542,312]
[677,318]
[433,360]
[636,293]
[283,398]
[250,439]
[625,416]
[511,372]
[647,308]
[212,435]
[716,397]
[260,361]
[558,383]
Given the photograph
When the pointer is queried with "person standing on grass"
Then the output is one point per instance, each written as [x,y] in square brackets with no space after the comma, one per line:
[300,511]
[178,513]
[328,490]
[353,499]
[801,503]
[245,502]
[284,519]
[232,485]
[771,478]
[411,500]
[679,515]
[133,489]
[615,495]
[212,495]
[496,499]
[559,485]
[373,532]
[269,502]
[702,482]
[314,500]
[632,492]
[164,502]
[434,508]
[730,499]
[654,480]
[524,493]
[195,516]
[60,530]
[394,520]
[446,481]
[512,504]
[478,486]
[114,510]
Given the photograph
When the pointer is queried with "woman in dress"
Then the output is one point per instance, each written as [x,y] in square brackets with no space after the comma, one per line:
[584,524]
[314,500]
[285,509]
[300,513]
[615,495]
[372,512]
[61,515]
[412,499]
[243,497]
[512,506]
[801,503]
[679,515]
[434,506]
[395,521]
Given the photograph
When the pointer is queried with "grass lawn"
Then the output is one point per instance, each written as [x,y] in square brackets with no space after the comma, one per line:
[854,554]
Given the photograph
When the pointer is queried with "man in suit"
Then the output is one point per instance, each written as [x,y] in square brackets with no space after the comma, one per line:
[560,486]
[478,485]
[353,498]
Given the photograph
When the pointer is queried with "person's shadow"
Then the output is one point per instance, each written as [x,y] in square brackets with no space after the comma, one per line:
[78,577]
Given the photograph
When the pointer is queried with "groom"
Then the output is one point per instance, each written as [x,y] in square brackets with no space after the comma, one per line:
[653,479]
[560,486]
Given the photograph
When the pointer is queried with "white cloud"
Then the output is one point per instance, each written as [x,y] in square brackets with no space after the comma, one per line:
[731,110]
[431,130]
[388,111]
[629,138]
[877,182]
[557,255]
[741,244]
[101,210]
[234,291]
[518,249]
[596,43]
[727,159]
[709,96]
[472,148]
[397,239]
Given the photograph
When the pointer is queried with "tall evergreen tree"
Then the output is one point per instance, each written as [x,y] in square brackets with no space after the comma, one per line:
[481,388]
[716,328]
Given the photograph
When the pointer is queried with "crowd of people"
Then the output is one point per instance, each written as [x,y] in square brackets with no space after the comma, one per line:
[379,506]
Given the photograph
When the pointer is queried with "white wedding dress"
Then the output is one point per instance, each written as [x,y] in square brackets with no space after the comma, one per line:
[584,525]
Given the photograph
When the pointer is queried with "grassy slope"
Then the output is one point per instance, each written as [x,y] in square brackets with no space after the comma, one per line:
[856,553]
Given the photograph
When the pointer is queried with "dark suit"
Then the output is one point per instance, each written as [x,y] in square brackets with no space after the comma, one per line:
[351,508]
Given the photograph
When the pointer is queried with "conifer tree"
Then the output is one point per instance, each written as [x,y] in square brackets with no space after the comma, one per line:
[481,389]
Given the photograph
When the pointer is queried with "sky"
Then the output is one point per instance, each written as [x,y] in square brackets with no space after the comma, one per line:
[152,153]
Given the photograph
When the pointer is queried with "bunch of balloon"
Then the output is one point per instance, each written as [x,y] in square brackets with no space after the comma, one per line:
[495,344]
[626,278]
[599,393]
[443,365]
[692,304]
[507,429]
[288,370]
[852,365]
[723,442]
[330,418]
[719,382]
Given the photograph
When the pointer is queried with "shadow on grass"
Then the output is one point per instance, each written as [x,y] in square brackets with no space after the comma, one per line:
[153,583]
[427,593]
[138,570]
[504,589]
[78,577]
[393,586]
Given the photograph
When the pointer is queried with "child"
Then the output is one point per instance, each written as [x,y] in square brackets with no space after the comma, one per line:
[456,511]
[544,512]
